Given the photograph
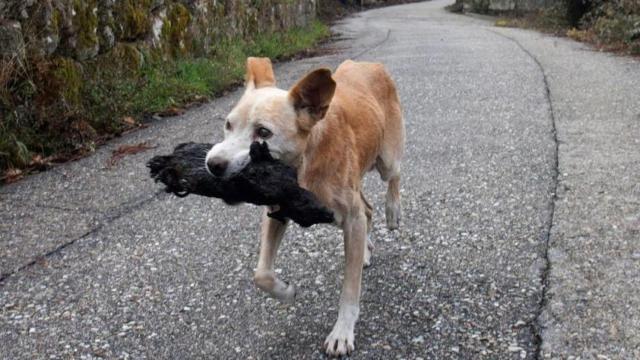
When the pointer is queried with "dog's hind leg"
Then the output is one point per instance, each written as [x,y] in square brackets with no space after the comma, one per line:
[368,211]
[388,162]
[389,170]
[390,156]
[265,277]
[393,210]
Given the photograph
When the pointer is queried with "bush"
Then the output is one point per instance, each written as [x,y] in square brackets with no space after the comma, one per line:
[615,23]
[456,7]
[575,10]
[609,24]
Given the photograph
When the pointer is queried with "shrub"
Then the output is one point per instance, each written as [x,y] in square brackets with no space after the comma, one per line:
[575,10]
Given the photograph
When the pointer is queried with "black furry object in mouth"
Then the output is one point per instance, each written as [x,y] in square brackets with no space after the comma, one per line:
[264,181]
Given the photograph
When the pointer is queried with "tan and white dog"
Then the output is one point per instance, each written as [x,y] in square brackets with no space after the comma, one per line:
[332,129]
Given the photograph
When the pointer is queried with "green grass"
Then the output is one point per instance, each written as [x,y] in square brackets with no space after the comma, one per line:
[161,84]
[76,118]
[287,44]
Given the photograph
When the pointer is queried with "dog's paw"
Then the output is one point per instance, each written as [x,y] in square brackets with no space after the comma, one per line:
[368,252]
[393,216]
[340,341]
[367,259]
[268,281]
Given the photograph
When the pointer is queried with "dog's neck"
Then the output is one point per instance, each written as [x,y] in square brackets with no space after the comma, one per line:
[309,164]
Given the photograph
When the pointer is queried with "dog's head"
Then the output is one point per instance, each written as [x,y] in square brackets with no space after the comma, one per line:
[266,113]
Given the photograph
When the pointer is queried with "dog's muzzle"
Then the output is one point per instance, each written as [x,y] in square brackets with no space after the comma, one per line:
[217,166]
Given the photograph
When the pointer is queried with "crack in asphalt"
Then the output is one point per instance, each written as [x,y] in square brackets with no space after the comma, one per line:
[67,209]
[535,325]
[108,218]
[39,258]
[375,46]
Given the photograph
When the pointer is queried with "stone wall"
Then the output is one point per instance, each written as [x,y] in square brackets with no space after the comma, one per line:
[83,29]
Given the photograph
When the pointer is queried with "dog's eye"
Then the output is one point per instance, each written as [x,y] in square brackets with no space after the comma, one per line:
[264,132]
[227,125]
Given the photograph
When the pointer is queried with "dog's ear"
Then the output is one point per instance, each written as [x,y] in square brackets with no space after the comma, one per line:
[259,73]
[311,97]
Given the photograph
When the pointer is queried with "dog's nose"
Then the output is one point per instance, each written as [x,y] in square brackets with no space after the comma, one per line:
[217,166]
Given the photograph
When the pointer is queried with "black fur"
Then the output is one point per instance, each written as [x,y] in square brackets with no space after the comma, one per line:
[264,181]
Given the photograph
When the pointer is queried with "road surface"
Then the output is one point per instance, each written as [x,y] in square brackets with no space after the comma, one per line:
[520,237]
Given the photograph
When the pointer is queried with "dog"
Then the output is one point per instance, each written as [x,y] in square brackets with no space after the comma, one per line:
[333,128]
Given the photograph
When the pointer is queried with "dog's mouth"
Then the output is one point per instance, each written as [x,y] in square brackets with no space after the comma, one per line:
[236,165]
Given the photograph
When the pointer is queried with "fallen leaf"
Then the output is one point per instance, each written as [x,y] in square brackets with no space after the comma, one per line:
[40,163]
[11,175]
[124,150]
[172,111]
[129,121]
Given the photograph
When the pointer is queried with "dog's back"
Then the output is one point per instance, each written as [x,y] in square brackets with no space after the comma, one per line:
[372,98]
[363,130]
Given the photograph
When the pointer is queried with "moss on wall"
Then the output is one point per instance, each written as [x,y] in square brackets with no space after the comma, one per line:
[132,19]
[66,81]
[85,22]
[174,31]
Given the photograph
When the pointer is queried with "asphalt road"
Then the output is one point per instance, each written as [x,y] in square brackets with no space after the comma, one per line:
[520,237]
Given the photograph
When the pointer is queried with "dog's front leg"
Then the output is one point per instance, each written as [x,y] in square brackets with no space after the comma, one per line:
[341,339]
[265,277]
